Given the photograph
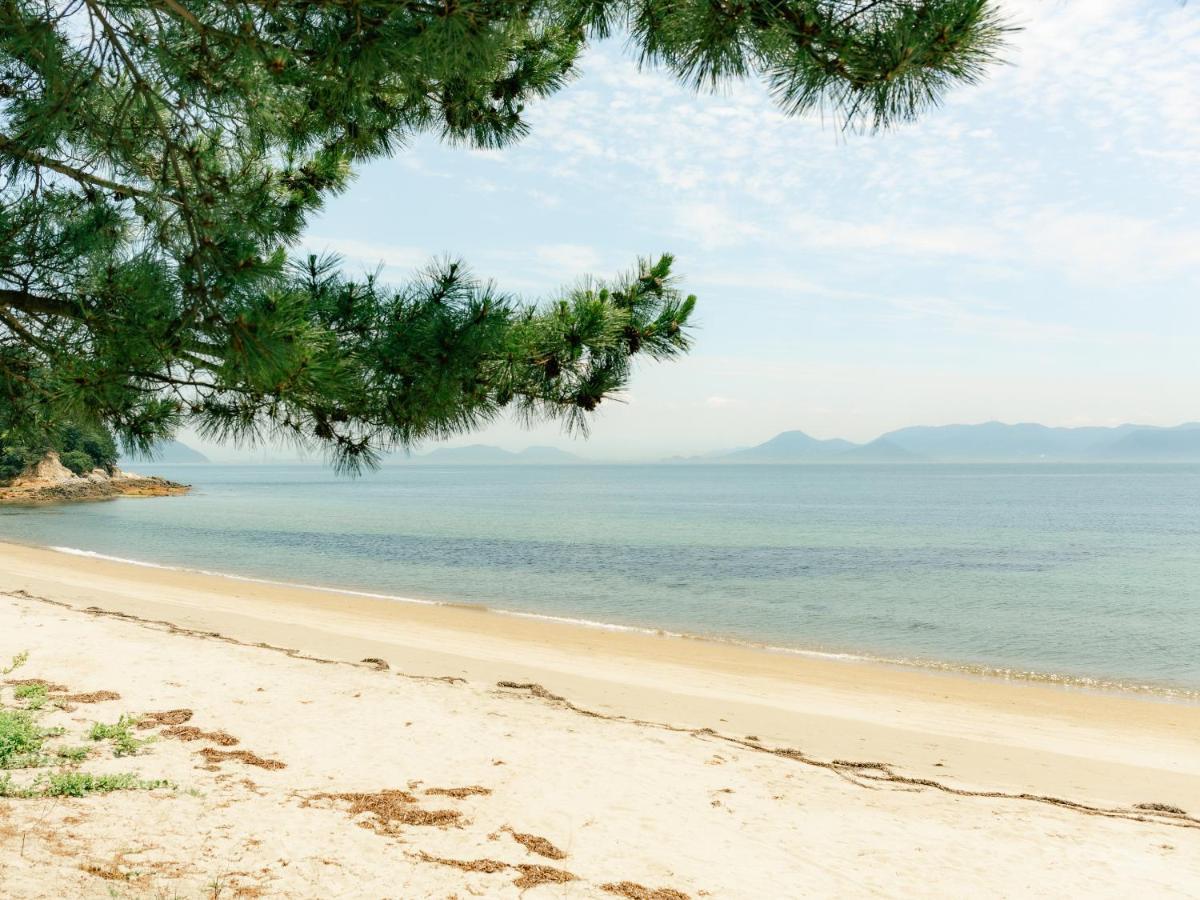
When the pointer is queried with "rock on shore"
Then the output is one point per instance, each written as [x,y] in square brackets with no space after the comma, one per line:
[51,482]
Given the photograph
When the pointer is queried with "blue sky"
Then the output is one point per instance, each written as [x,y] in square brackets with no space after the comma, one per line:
[1028,252]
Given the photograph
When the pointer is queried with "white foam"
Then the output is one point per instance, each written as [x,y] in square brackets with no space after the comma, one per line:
[587,623]
[74,551]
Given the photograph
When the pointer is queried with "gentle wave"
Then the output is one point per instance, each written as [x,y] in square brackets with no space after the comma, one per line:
[75,551]
[1162,692]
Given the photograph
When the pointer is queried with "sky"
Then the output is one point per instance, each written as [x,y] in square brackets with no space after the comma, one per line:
[1030,251]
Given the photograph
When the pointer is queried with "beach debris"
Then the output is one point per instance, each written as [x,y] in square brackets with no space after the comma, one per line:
[92,697]
[535,844]
[379,664]
[1161,808]
[242,756]
[634,891]
[445,679]
[530,875]
[459,792]
[166,717]
[388,809]
[489,866]
[534,689]
[191,733]
[107,871]
[533,875]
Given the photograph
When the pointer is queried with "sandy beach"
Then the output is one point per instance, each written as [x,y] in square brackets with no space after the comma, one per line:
[318,744]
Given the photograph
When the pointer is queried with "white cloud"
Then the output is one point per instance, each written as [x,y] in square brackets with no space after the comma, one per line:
[1090,247]
[778,280]
[893,235]
[568,260]
[713,226]
[1028,251]
[542,198]
[972,317]
[1127,67]
[368,254]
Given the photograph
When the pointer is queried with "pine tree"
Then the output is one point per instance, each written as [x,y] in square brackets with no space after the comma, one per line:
[159,159]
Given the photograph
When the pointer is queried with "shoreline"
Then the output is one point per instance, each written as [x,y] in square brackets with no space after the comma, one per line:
[271,740]
[253,769]
[1147,690]
[976,733]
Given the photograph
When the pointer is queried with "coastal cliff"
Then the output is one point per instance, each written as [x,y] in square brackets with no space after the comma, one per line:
[49,481]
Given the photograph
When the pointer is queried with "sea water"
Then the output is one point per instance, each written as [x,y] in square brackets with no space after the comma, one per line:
[1086,573]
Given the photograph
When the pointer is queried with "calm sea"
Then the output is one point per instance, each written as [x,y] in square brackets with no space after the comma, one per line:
[1082,572]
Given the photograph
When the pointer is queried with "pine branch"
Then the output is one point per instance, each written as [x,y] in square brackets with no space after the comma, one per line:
[31,303]
[151,283]
[14,149]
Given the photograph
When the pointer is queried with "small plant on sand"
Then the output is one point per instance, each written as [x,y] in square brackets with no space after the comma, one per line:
[33,694]
[73,754]
[23,742]
[80,784]
[20,739]
[26,744]
[17,661]
[120,735]
[77,784]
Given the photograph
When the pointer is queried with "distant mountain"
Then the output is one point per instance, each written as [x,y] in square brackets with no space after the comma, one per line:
[997,441]
[986,442]
[168,452]
[472,455]
[1150,444]
[879,450]
[790,446]
[546,456]
[1029,442]
[487,455]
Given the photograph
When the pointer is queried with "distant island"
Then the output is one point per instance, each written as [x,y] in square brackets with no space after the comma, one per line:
[996,442]
[170,452]
[985,442]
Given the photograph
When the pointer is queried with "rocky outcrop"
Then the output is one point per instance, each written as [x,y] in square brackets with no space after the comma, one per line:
[51,482]
[49,470]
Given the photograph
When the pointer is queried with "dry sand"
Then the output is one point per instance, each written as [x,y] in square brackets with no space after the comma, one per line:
[495,757]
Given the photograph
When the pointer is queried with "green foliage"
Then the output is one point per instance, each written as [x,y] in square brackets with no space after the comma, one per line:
[34,694]
[95,445]
[17,661]
[120,735]
[78,784]
[81,448]
[15,459]
[77,461]
[159,160]
[72,754]
[20,739]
